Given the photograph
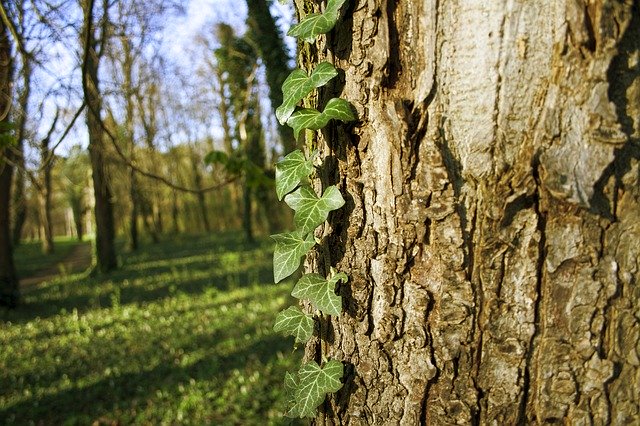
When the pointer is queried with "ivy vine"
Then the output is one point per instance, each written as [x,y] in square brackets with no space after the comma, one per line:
[307,388]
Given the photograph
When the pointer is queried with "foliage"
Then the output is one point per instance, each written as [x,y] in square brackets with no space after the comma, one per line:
[309,118]
[7,136]
[290,247]
[293,322]
[311,210]
[321,292]
[238,164]
[290,171]
[317,23]
[309,386]
[181,334]
[298,85]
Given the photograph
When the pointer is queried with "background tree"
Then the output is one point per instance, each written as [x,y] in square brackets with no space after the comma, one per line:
[9,290]
[16,17]
[265,33]
[492,217]
[93,47]
[75,176]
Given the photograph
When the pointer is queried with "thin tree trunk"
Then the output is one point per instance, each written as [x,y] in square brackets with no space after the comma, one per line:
[44,212]
[175,213]
[9,284]
[493,213]
[18,198]
[78,217]
[105,249]
[127,69]
[200,196]
[44,189]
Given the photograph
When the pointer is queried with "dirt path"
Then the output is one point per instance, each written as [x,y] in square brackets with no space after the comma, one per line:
[78,260]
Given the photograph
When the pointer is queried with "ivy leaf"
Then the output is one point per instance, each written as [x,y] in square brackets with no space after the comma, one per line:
[310,210]
[290,247]
[290,171]
[321,292]
[314,383]
[316,23]
[306,118]
[291,385]
[298,85]
[293,322]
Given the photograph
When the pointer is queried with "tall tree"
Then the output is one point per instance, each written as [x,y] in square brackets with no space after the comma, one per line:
[265,34]
[93,48]
[43,186]
[75,174]
[16,16]
[9,285]
[237,61]
[492,215]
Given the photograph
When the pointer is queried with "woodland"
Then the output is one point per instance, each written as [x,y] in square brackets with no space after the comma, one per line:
[342,212]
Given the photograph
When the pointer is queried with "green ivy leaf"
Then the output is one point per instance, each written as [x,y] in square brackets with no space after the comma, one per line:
[291,385]
[321,292]
[316,23]
[314,383]
[310,210]
[298,85]
[290,171]
[307,118]
[293,322]
[290,247]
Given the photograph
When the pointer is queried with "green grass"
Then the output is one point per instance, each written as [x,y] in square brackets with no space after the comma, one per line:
[181,334]
[30,260]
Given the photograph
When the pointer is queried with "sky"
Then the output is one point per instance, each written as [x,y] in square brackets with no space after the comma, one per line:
[177,39]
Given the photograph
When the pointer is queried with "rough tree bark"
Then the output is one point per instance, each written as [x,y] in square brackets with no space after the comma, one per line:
[9,285]
[105,232]
[493,212]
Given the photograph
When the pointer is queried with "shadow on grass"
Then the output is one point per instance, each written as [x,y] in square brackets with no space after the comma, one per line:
[157,272]
[87,402]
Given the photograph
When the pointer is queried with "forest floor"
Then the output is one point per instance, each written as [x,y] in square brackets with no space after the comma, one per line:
[76,260]
[181,333]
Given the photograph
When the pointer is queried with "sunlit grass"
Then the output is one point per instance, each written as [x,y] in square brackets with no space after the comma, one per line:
[181,334]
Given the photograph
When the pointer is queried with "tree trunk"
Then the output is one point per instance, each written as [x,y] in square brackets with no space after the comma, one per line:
[44,212]
[175,213]
[19,197]
[9,285]
[78,216]
[493,213]
[127,88]
[200,196]
[270,45]
[105,249]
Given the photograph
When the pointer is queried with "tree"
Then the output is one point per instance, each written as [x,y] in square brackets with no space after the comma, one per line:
[9,285]
[16,16]
[43,186]
[92,51]
[75,175]
[492,212]
[268,40]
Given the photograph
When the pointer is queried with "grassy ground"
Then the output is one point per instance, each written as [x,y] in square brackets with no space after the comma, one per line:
[30,260]
[181,334]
